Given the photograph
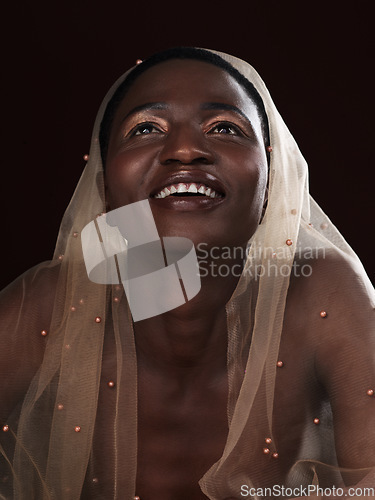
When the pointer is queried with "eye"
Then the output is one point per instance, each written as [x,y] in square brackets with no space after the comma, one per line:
[225,128]
[144,129]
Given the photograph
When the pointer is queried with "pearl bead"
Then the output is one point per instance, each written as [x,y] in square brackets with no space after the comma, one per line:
[269,149]
[323,314]
[138,61]
[324,225]
[6,428]
[67,346]
[316,421]
[293,211]
[279,364]
[95,480]
[61,257]
[77,428]
[81,301]
[111,383]
[268,440]
[43,333]
[275,455]
[266,451]
[75,234]
[98,319]
[72,308]
[289,242]
[86,157]
[116,299]
[370,392]
[60,407]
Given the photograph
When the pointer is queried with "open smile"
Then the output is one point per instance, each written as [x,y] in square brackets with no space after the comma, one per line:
[188,189]
[189,184]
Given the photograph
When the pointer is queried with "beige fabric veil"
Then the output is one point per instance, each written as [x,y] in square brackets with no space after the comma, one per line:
[52,430]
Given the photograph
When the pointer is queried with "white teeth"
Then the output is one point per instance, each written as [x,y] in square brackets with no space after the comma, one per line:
[187,188]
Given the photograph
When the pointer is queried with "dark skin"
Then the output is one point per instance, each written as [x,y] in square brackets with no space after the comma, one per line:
[181,355]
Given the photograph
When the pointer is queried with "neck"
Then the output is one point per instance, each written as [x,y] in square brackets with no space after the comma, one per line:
[191,339]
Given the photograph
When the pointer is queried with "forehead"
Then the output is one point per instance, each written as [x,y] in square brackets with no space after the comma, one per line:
[188,82]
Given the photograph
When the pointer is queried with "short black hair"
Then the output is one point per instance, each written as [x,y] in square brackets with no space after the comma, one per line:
[166,55]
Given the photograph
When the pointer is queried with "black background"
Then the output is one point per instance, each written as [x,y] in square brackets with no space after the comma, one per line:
[60,58]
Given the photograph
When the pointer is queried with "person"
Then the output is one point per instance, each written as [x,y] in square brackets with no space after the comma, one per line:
[260,385]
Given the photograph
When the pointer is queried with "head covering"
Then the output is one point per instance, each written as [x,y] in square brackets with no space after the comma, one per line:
[52,429]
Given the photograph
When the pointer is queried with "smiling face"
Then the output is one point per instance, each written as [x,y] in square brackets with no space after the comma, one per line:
[188,126]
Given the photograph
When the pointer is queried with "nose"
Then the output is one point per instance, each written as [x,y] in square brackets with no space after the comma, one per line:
[186,145]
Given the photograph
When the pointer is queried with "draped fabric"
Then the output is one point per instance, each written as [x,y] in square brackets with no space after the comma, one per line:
[56,324]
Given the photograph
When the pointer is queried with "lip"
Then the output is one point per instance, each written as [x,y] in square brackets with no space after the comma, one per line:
[186,203]
[187,177]
[189,203]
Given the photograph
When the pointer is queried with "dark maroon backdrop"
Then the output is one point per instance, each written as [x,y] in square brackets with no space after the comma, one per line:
[60,58]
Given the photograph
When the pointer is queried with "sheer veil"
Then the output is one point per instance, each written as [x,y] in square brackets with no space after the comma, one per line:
[48,445]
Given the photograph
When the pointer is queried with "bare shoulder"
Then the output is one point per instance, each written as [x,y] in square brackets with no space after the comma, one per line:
[26,308]
[333,308]
[334,300]
[344,333]
[330,316]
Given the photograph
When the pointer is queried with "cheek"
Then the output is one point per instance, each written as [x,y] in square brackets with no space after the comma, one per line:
[251,189]
[124,178]
[253,184]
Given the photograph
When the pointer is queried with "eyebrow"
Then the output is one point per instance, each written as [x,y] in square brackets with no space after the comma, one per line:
[216,106]
[145,107]
[221,106]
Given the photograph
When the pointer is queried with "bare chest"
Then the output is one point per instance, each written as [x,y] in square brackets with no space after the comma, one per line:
[181,434]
